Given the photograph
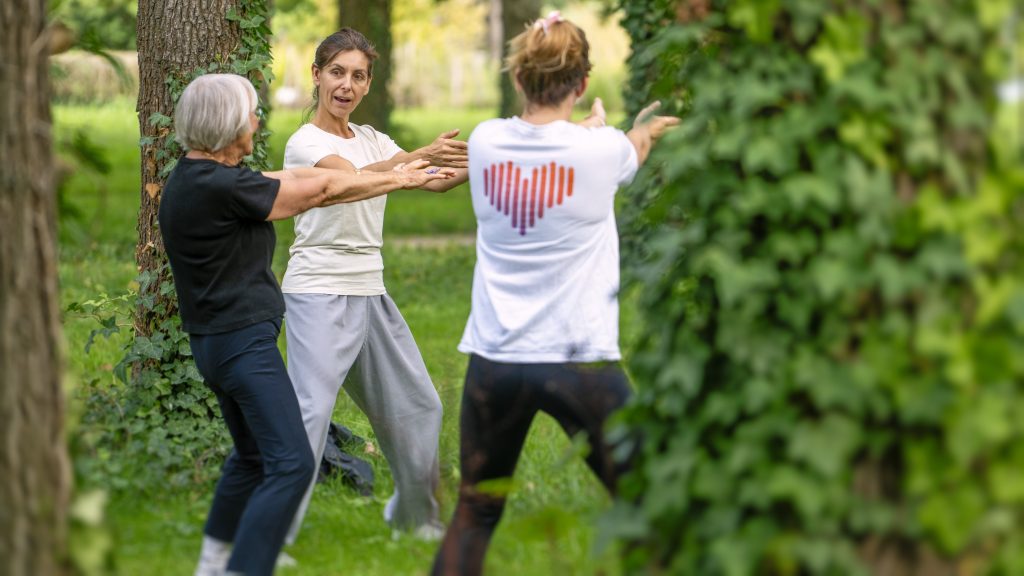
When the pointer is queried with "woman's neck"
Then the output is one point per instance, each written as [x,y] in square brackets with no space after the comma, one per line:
[229,156]
[539,114]
[337,125]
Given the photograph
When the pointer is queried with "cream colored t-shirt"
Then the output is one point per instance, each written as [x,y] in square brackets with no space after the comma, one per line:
[337,248]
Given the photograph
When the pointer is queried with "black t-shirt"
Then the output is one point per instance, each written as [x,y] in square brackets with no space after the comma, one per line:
[213,219]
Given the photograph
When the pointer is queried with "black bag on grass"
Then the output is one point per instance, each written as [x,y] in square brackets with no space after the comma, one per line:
[338,459]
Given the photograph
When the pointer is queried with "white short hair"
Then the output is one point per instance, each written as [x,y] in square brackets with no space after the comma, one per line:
[213,111]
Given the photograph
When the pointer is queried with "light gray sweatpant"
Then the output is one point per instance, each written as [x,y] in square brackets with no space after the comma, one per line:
[327,336]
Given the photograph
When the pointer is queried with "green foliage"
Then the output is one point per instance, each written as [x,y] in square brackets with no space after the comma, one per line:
[107,23]
[158,426]
[833,293]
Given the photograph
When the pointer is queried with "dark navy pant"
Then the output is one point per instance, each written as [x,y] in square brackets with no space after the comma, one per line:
[271,464]
[499,401]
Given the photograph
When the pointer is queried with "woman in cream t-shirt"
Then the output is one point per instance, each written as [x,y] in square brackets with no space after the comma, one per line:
[340,322]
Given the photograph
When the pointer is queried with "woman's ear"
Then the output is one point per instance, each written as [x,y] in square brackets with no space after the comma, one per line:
[316,74]
[583,86]
[516,83]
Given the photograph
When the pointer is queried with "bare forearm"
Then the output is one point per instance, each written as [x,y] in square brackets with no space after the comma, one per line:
[305,188]
[641,139]
[390,163]
[344,187]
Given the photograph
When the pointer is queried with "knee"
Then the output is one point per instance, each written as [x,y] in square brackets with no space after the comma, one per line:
[319,414]
[306,467]
[297,468]
[436,411]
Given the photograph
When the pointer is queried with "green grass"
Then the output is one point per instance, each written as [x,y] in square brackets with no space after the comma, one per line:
[547,527]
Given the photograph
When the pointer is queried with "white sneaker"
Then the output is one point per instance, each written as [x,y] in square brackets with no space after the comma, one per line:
[213,558]
[211,568]
[430,532]
[285,560]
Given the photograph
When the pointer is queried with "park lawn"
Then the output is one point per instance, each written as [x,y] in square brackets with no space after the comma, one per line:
[549,522]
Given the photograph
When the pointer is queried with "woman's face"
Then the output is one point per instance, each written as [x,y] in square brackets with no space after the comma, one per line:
[244,143]
[343,82]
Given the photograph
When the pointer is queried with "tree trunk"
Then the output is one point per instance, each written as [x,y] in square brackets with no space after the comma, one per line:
[373,19]
[495,35]
[515,14]
[199,36]
[35,479]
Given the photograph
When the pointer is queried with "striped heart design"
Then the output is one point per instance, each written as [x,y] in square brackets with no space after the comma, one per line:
[524,199]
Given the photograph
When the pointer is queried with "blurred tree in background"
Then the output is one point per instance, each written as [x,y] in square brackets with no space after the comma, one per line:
[373,19]
[828,251]
[515,15]
[36,486]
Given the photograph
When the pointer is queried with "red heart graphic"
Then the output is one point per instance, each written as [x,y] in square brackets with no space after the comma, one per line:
[524,198]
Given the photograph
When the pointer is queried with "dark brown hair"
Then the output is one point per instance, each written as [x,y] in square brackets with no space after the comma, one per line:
[549,61]
[341,41]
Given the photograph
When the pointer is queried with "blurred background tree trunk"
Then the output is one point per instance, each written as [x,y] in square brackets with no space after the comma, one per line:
[36,480]
[515,14]
[373,19]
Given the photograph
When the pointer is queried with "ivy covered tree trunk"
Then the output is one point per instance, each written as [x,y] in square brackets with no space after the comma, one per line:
[36,481]
[832,290]
[178,41]
[373,19]
[515,15]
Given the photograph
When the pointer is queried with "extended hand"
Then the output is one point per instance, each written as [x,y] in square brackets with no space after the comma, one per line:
[419,172]
[446,151]
[655,125]
[597,115]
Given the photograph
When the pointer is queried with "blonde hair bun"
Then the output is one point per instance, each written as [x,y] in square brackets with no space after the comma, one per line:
[549,59]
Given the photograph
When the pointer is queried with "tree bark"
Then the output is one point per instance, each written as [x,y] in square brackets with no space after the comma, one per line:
[515,14]
[373,19]
[175,38]
[35,480]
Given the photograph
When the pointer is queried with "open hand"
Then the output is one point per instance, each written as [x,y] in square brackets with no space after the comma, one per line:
[446,151]
[597,115]
[419,172]
[655,125]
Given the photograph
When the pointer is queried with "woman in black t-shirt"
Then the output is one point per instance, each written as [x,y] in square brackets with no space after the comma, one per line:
[215,220]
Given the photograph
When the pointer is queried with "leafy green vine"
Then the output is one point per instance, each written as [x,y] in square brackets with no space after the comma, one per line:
[832,286]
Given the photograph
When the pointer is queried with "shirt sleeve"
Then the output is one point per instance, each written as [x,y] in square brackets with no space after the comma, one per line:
[628,161]
[305,150]
[388,147]
[254,194]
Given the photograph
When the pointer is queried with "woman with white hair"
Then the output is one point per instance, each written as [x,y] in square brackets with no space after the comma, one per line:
[215,217]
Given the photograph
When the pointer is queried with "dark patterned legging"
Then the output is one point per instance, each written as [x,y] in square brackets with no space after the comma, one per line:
[499,402]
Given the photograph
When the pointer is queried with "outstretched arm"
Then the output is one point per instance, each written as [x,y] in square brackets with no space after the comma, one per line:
[445,150]
[460,175]
[647,128]
[305,188]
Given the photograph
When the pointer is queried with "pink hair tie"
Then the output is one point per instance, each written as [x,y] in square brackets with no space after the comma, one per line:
[552,17]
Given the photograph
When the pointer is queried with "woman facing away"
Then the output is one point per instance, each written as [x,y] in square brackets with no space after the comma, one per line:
[543,328]
[215,218]
[340,320]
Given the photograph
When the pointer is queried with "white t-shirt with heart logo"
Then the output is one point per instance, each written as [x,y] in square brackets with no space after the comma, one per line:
[546,283]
